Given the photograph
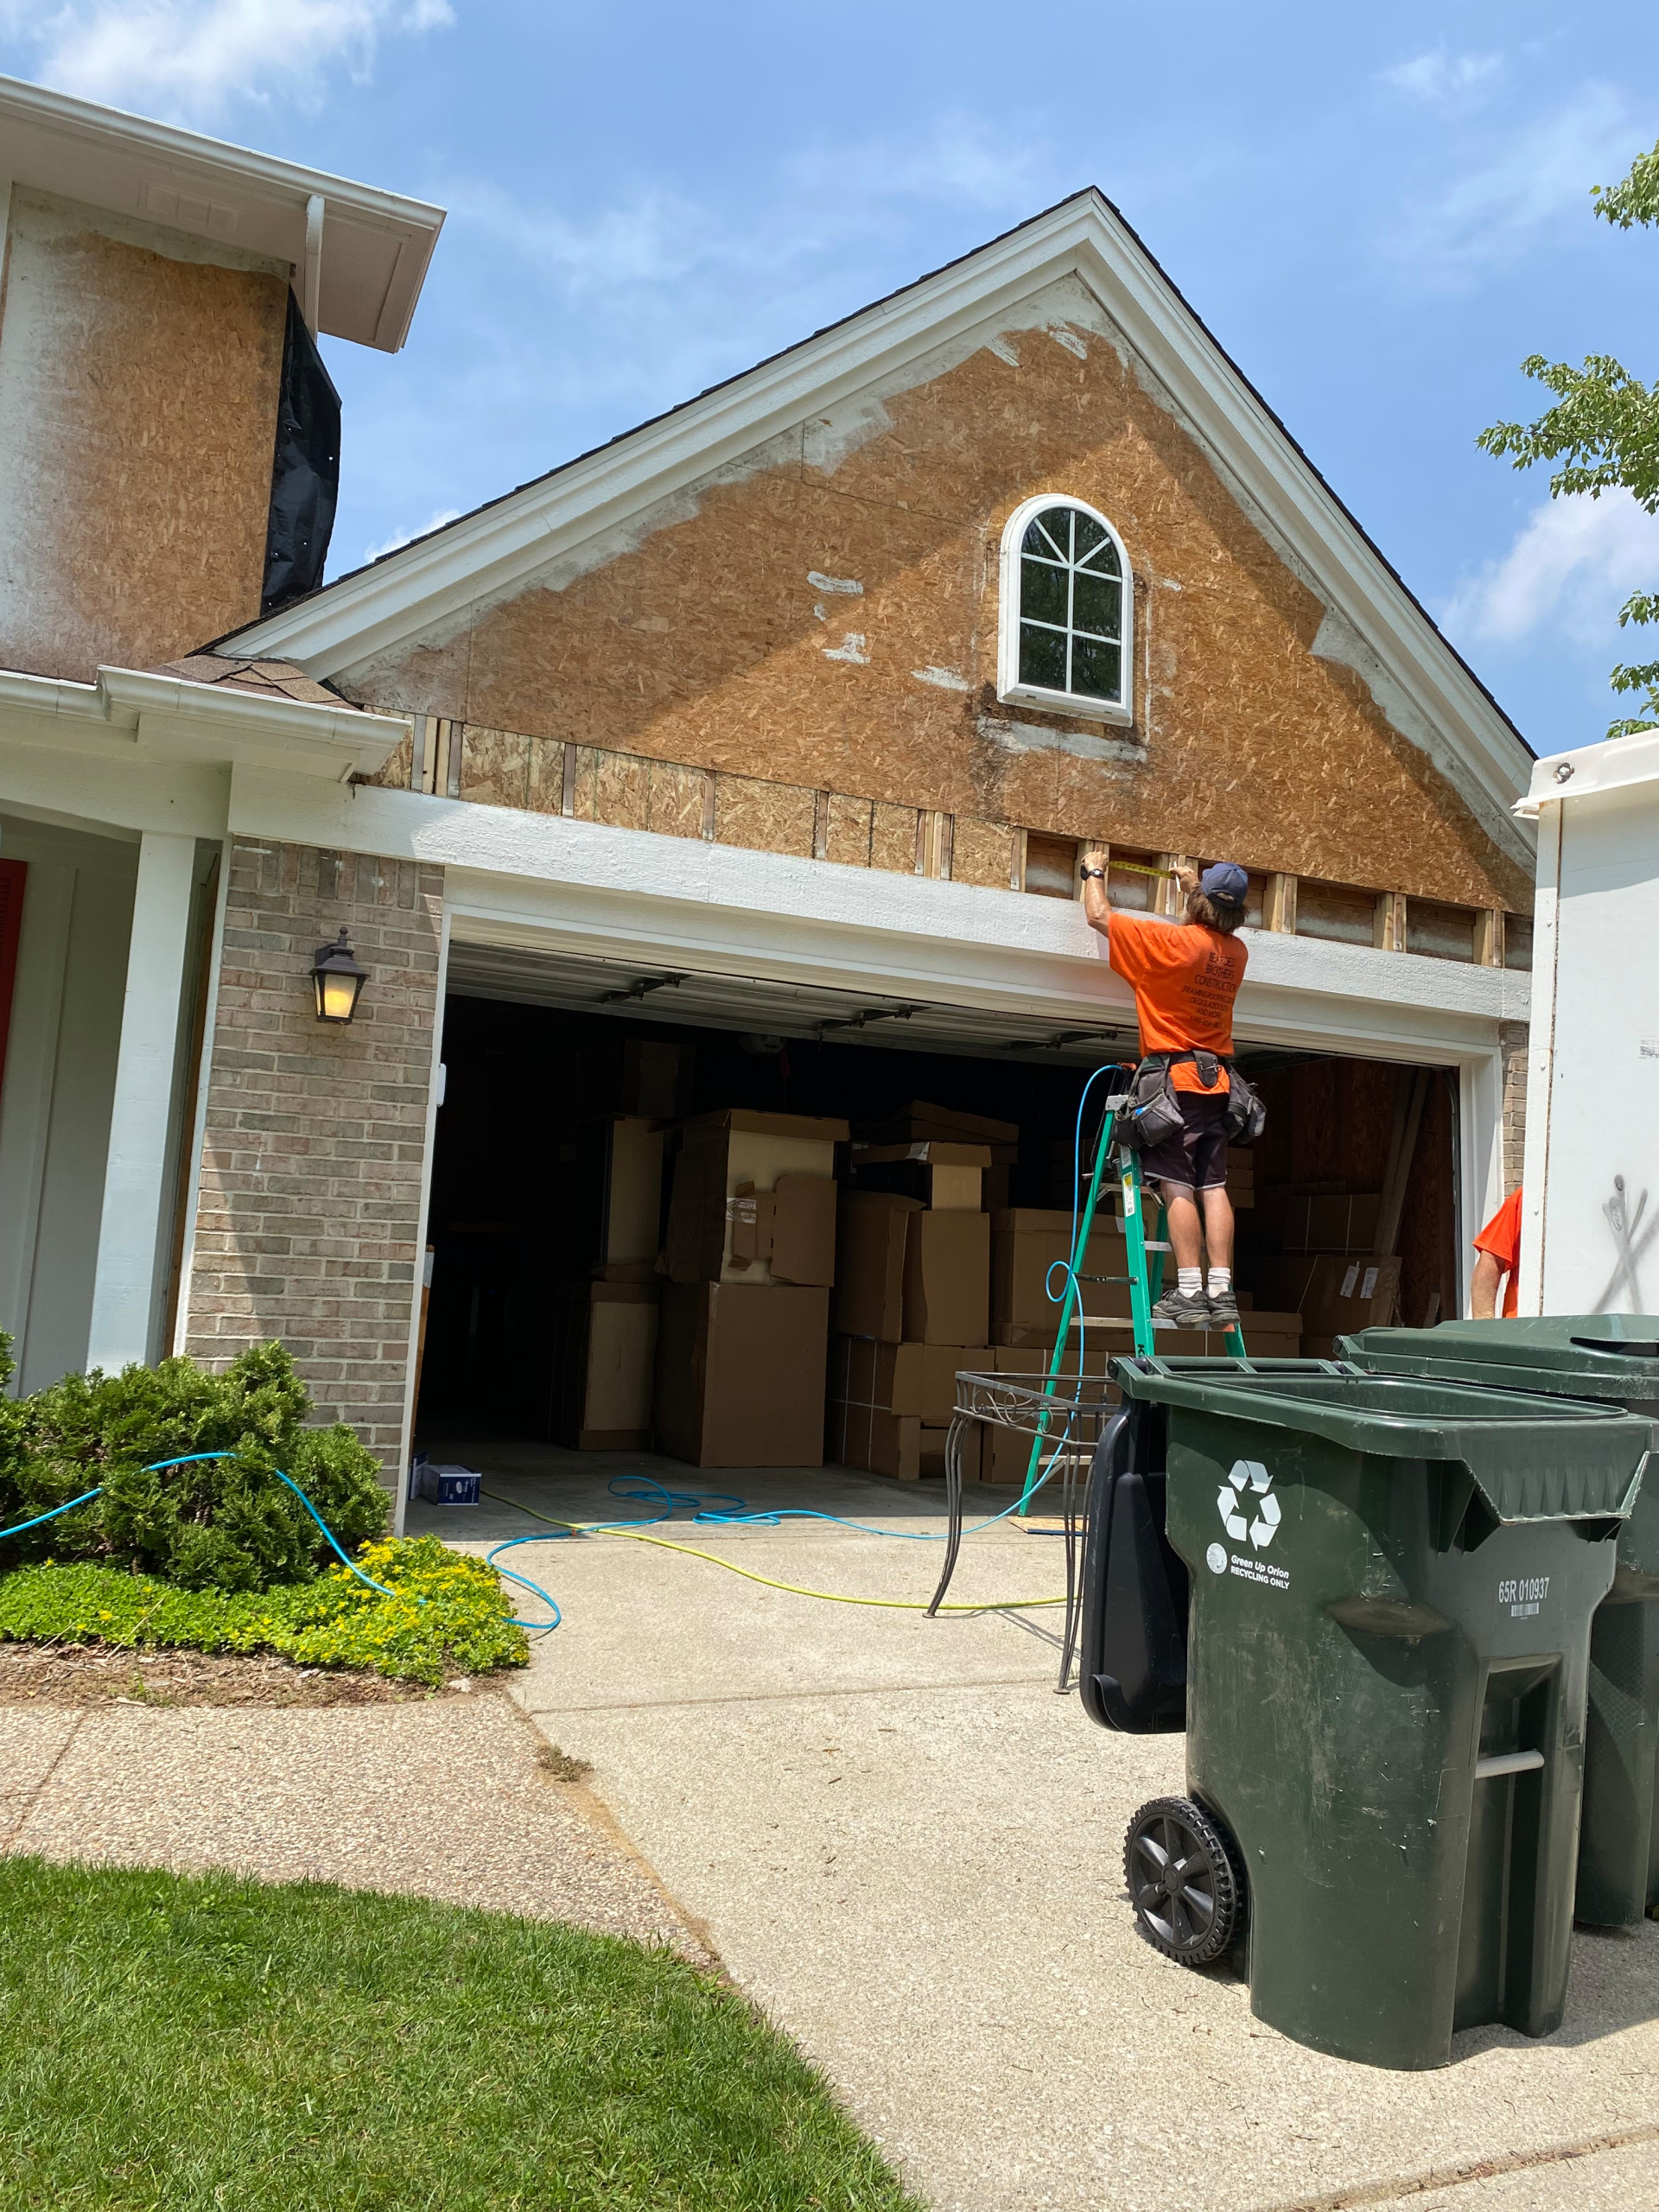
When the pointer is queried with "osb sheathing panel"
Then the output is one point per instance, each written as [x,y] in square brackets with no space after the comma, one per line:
[137,418]
[982,853]
[765,818]
[709,644]
[847,830]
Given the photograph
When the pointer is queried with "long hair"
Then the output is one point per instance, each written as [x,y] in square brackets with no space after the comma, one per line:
[1209,916]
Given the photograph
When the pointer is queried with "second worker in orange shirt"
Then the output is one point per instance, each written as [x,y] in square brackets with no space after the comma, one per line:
[1185,976]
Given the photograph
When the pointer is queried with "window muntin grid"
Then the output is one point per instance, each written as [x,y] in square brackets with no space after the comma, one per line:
[1070,606]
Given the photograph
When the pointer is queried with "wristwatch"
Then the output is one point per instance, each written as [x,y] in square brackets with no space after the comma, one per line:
[1085,872]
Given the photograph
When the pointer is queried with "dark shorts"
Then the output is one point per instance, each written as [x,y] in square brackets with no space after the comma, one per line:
[1196,1158]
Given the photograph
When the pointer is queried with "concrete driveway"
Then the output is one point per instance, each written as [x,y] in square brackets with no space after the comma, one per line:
[906,1848]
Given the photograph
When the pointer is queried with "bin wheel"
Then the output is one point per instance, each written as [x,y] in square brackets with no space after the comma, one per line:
[1188,1890]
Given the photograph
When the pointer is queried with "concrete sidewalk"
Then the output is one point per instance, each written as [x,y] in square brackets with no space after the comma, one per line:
[907,1848]
[442,1800]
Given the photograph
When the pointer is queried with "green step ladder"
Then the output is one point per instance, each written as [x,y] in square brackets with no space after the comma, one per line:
[1145,1279]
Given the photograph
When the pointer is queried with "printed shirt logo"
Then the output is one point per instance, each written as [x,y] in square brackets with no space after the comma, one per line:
[1249,1481]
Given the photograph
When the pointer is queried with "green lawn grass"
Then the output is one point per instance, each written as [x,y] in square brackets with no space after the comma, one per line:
[215,2042]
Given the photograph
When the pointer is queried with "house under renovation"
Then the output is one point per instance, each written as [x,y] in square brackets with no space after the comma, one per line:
[732,776]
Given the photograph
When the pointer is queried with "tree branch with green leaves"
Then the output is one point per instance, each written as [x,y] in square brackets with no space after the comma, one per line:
[1604,431]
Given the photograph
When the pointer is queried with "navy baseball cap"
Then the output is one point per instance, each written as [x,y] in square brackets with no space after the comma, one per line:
[1226,883]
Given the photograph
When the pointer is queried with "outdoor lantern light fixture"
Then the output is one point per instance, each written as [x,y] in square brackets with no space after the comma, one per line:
[338,976]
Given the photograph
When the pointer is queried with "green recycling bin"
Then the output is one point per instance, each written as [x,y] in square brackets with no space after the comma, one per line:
[1392,1585]
[1613,1358]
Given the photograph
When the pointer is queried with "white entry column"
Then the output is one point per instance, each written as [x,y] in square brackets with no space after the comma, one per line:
[130,1235]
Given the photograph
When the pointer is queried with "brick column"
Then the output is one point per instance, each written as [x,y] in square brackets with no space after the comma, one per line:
[308,1222]
[1512,1038]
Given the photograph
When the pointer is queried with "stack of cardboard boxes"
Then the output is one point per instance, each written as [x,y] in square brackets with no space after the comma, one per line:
[601,1374]
[749,1257]
[913,1291]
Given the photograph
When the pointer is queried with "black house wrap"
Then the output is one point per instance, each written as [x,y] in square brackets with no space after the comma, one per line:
[305,470]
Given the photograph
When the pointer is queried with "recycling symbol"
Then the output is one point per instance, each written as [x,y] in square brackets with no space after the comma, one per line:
[1233,1499]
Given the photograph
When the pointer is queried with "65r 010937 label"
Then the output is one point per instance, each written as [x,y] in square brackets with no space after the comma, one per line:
[1523,1594]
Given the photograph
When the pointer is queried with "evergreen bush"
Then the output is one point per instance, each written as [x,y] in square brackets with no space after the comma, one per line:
[225,1524]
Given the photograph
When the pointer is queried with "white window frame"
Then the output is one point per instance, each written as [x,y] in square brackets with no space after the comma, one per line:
[1008,686]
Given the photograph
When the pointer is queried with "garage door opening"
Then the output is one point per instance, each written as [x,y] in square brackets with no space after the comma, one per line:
[550,1317]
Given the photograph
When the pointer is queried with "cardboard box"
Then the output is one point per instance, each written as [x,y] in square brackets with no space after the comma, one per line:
[1334,1293]
[1005,1457]
[878,1443]
[629,1075]
[719,1153]
[947,1278]
[933,1446]
[914,1379]
[739,1374]
[631,1227]
[941,1175]
[1330,1222]
[1032,1359]
[604,1365]
[897,1445]
[1026,1242]
[871,1233]
[788,1232]
[919,1122]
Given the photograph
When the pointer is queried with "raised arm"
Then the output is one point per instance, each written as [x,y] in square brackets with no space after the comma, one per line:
[1096,905]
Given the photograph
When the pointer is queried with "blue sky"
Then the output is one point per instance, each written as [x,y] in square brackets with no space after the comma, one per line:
[1378,211]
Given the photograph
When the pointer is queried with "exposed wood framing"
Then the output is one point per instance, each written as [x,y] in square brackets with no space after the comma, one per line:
[1280,905]
[1389,931]
[1489,937]
[1017,862]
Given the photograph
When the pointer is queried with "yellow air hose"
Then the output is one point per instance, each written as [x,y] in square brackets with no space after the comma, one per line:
[795,1589]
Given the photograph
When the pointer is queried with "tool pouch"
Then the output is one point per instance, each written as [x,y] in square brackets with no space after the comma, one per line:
[1246,1115]
[1154,1111]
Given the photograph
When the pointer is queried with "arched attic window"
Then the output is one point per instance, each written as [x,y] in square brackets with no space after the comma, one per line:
[1066,612]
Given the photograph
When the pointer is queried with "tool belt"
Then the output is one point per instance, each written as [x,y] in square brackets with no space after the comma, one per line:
[1154,1109]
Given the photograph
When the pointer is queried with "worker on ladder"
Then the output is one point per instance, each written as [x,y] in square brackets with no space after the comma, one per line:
[1185,976]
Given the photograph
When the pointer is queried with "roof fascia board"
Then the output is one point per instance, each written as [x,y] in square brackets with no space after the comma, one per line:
[489,552]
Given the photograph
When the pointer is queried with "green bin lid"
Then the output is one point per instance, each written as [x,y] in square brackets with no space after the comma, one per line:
[1533,1457]
[1581,1354]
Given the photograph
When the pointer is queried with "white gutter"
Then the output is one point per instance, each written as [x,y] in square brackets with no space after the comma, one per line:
[169,718]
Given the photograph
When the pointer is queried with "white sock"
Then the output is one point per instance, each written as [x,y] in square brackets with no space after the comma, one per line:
[1220,1278]
[1189,1281]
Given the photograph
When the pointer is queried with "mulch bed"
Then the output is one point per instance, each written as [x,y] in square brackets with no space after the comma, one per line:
[92,1673]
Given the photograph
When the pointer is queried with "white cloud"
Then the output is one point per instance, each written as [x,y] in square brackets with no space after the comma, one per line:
[190,57]
[1572,564]
[1446,81]
[435,521]
[1494,211]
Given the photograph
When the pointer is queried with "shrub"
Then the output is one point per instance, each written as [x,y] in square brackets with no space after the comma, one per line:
[464,1626]
[225,1524]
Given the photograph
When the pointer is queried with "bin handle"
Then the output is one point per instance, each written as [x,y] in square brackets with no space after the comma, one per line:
[1488,1770]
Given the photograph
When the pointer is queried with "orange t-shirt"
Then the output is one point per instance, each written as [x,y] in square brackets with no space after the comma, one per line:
[1502,1238]
[1185,979]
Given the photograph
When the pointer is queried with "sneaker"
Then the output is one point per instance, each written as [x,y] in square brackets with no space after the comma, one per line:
[1223,1309]
[1183,1309]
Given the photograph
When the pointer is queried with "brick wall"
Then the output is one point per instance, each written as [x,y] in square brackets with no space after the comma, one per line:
[1512,1041]
[309,1215]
